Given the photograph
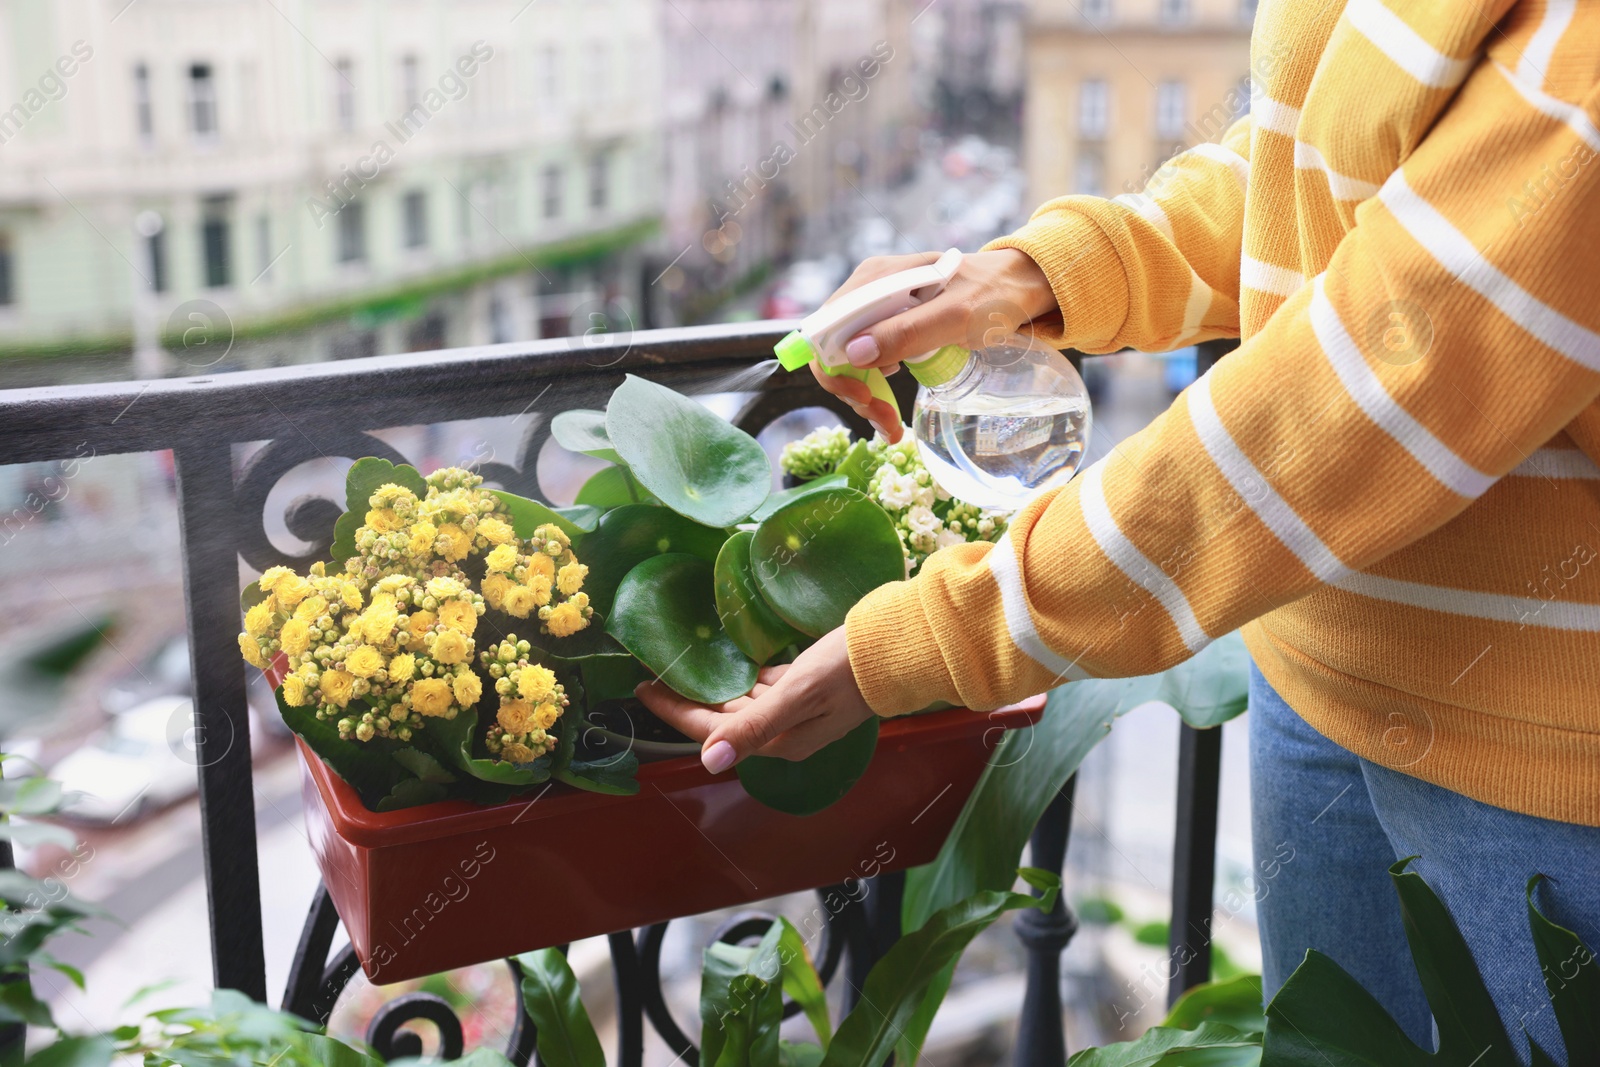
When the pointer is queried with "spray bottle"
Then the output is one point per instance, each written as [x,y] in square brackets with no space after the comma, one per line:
[995,425]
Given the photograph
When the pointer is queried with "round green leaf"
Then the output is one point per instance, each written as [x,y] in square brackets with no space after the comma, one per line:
[696,463]
[805,787]
[633,533]
[816,556]
[666,614]
[370,473]
[584,430]
[528,515]
[784,496]
[612,487]
[749,619]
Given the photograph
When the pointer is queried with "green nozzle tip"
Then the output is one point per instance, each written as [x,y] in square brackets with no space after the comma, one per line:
[794,351]
[940,367]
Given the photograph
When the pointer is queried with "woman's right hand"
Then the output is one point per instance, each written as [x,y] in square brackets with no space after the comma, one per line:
[991,296]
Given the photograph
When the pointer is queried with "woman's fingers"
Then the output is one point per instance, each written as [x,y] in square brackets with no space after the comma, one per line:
[855,393]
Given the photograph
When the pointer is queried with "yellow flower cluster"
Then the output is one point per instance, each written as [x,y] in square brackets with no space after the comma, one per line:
[531,700]
[389,644]
[541,575]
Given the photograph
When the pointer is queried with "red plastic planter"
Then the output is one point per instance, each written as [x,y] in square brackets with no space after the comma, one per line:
[445,885]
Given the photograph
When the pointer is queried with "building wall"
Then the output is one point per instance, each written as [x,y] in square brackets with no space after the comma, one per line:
[508,90]
[1134,48]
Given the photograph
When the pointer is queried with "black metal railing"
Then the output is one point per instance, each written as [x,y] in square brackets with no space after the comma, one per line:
[328,410]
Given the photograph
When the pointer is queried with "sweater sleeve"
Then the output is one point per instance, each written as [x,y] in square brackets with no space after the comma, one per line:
[1154,270]
[1448,338]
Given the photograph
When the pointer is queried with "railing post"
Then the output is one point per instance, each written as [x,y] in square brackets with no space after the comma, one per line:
[1194,858]
[221,722]
[1041,1038]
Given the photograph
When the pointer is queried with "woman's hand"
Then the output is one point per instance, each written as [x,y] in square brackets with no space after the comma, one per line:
[991,296]
[795,709]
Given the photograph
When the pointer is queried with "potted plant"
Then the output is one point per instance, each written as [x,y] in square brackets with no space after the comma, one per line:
[460,676]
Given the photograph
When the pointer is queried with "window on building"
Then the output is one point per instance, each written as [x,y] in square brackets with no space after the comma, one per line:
[344,94]
[410,82]
[1089,170]
[599,63]
[600,181]
[8,286]
[551,75]
[352,232]
[414,211]
[202,101]
[144,116]
[1174,11]
[1095,10]
[264,249]
[155,257]
[1094,109]
[553,179]
[216,241]
[1172,109]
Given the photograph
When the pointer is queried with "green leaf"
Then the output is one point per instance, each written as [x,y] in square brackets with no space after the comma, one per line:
[251,595]
[805,787]
[75,1052]
[1208,1045]
[368,767]
[19,1005]
[629,535]
[857,466]
[550,993]
[528,515]
[802,983]
[1235,1002]
[666,614]
[745,613]
[815,557]
[896,985]
[412,793]
[344,536]
[741,1002]
[454,742]
[615,774]
[583,430]
[799,1054]
[423,765]
[1572,978]
[612,487]
[611,678]
[328,1052]
[696,463]
[804,489]
[30,796]
[368,475]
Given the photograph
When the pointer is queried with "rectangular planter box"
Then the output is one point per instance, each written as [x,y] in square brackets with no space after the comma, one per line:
[445,885]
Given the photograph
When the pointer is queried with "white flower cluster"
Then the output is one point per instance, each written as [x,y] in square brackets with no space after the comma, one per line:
[925,516]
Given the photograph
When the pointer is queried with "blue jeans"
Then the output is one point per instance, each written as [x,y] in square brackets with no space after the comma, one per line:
[1328,824]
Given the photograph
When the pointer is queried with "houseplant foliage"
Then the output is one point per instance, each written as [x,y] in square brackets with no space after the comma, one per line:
[459,639]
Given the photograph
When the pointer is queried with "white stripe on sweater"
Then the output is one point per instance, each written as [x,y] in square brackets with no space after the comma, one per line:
[1127,558]
[1456,253]
[1391,35]
[1227,156]
[1575,118]
[1535,61]
[1268,114]
[1557,463]
[1194,309]
[1146,207]
[1273,511]
[1529,610]
[1373,398]
[1267,278]
[1007,571]
[1342,186]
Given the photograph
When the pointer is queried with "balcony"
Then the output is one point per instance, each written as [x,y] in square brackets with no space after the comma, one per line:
[332,410]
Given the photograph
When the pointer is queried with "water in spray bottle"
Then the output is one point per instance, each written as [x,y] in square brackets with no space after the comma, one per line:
[995,425]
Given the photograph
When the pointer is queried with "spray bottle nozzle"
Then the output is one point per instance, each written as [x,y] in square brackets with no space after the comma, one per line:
[794,351]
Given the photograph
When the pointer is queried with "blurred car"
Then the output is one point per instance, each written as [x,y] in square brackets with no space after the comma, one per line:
[142,761]
[166,674]
[803,288]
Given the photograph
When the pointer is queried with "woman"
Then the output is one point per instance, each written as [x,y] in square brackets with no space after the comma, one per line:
[1390,485]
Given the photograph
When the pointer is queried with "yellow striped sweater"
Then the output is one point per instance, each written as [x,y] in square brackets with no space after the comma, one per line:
[1391,484]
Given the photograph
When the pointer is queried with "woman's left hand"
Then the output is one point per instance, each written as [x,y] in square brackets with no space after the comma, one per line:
[795,709]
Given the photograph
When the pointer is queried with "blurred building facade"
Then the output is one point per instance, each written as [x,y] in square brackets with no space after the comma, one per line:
[329,178]
[1117,87]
